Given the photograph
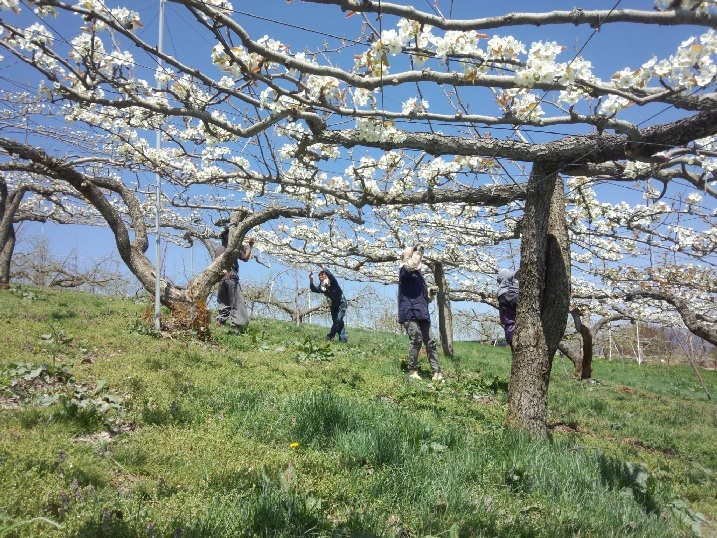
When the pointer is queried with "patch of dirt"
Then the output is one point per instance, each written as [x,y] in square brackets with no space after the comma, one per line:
[9,402]
[106,436]
[642,446]
[566,428]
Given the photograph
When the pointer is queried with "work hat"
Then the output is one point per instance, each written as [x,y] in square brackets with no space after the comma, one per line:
[505,274]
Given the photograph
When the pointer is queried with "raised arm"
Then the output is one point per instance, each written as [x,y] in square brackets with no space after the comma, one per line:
[247,251]
[414,262]
[312,286]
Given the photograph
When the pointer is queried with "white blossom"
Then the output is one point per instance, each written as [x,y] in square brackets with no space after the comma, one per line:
[414,106]
[612,105]
[693,198]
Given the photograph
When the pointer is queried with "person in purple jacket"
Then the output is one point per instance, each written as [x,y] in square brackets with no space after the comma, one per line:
[413,299]
[507,302]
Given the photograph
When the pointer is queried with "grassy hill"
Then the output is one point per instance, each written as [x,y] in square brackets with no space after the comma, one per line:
[107,429]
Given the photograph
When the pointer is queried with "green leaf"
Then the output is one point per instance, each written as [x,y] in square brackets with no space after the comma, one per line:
[35,373]
[113,398]
[48,400]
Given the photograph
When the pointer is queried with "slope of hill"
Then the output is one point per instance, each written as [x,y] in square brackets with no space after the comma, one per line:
[111,430]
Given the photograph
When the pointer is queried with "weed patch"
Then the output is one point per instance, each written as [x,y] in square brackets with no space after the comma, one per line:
[310,351]
[88,407]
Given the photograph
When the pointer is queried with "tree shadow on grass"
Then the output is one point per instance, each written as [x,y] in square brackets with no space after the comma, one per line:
[626,475]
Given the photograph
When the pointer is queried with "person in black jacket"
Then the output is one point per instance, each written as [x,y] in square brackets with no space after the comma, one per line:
[330,287]
[413,298]
[230,299]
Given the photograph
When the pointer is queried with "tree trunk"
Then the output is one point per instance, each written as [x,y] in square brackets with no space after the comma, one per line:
[6,258]
[583,362]
[585,368]
[9,204]
[575,357]
[445,317]
[544,300]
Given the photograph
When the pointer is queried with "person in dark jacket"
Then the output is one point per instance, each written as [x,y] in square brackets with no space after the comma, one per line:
[507,302]
[413,298]
[230,299]
[331,289]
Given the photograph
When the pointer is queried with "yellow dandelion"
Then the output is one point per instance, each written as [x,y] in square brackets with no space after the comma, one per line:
[294,445]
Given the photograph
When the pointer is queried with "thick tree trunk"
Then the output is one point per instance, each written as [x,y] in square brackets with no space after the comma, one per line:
[9,205]
[6,258]
[445,317]
[544,300]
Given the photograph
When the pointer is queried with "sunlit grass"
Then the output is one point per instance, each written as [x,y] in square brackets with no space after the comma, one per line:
[260,434]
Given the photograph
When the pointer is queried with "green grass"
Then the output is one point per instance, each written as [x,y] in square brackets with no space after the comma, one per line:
[273,433]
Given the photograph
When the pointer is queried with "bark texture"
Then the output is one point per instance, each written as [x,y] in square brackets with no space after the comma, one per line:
[583,368]
[9,205]
[544,300]
[8,248]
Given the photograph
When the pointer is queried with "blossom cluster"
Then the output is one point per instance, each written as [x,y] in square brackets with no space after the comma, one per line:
[372,130]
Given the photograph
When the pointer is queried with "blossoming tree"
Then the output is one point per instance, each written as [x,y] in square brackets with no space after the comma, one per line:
[460,117]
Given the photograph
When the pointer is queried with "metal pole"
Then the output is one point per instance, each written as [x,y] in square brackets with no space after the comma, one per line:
[157,251]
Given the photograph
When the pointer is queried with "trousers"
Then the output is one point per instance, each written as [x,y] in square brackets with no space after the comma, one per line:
[420,332]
